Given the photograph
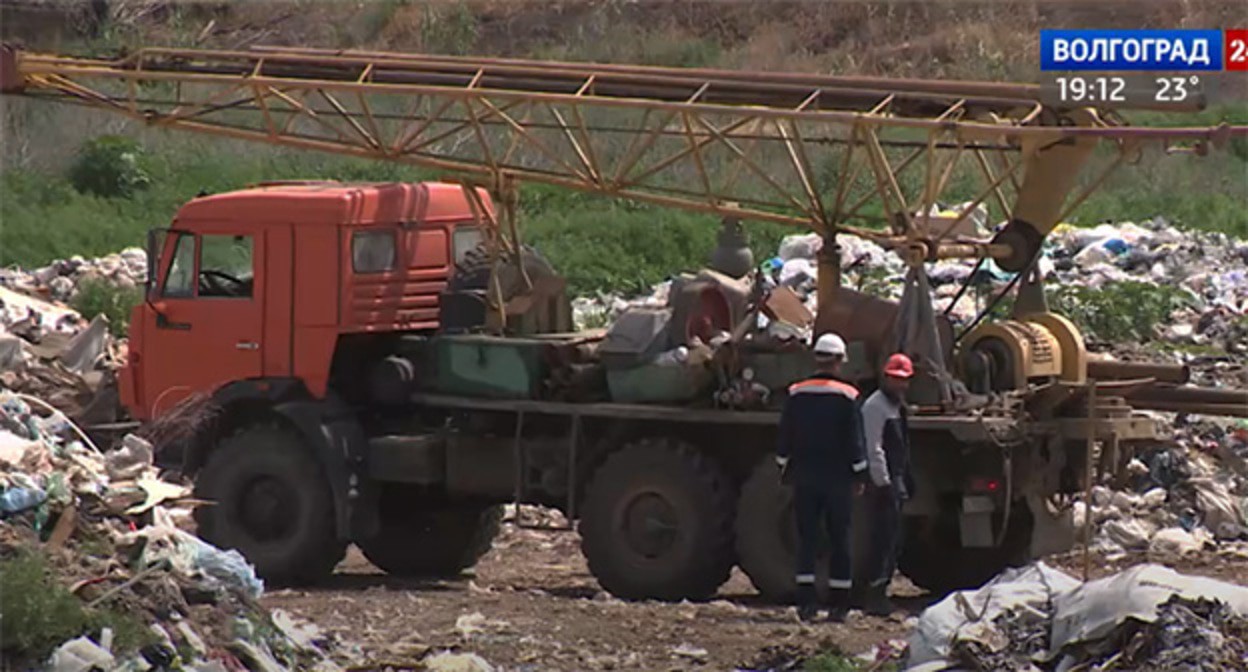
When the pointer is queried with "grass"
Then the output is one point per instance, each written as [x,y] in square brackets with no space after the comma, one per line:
[835,661]
[39,613]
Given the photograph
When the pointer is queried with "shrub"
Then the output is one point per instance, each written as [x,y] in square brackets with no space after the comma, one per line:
[110,166]
[38,614]
[1125,312]
[99,297]
[1120,311]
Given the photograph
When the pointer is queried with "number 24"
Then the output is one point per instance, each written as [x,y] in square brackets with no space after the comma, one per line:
[1239,51]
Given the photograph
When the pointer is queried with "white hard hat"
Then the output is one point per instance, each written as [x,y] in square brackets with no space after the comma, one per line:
[830,345]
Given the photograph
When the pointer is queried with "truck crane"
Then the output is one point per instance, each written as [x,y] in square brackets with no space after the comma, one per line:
[389,363]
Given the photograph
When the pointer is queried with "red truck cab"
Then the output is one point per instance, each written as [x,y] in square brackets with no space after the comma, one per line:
[261,283]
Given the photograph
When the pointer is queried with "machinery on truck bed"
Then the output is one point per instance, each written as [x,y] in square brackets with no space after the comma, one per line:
[390,363]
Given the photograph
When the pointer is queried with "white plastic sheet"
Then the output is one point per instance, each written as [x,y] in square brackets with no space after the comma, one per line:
[1091,611]
[941,624]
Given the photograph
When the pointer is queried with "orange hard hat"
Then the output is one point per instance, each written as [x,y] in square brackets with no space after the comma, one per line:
[899,366]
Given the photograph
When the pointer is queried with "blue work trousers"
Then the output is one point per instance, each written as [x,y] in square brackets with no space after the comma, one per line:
[830,509]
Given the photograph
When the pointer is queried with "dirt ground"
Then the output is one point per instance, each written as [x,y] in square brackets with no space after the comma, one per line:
[540,609]
[532,605]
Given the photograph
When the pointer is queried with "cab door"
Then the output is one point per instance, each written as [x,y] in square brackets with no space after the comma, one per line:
[205,324]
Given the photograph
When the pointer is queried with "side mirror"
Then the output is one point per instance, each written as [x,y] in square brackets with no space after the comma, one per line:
[162,317]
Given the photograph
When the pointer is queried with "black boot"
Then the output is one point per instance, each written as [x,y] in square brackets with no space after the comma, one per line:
[878,603]
[807,604]
[838,605]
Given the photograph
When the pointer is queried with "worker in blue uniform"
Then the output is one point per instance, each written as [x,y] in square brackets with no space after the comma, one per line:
[822,454]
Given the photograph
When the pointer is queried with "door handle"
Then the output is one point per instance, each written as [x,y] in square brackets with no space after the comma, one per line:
[247,345]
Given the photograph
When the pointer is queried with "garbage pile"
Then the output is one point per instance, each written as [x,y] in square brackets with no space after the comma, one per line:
[1148,617]
[1210,268]
[61,279]
[109,538]
[48,350]
[1178,498]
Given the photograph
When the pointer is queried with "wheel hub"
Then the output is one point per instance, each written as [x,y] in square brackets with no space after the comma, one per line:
[268,510]
[650,525]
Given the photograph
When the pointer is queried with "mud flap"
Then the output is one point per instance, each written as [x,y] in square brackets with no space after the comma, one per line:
[975,522]
[332,432]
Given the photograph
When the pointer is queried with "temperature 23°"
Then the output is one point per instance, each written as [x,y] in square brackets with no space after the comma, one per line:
[1175,89]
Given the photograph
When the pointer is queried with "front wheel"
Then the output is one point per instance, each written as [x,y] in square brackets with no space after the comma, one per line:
[657,523]
[271,500]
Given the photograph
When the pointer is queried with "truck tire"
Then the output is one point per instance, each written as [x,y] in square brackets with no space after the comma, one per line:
[767,533]
[657,523]
[933,558]
[433,543]
[473,272]
[767,537]
[273,503]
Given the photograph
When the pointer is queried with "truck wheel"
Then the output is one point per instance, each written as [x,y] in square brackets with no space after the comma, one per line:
[273,504]
[767,537]
[473,273]
[933,558]
[657,523]
[767,533]
[433,543]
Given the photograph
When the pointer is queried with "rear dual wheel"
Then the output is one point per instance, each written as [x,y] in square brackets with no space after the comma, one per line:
[657,522]
[432,543]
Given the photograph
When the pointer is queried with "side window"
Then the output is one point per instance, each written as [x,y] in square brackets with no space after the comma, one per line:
[372,251]
[466,239]
[225,267]
[181,277]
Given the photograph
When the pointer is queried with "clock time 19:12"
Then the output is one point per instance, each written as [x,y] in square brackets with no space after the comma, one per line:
[1092,89]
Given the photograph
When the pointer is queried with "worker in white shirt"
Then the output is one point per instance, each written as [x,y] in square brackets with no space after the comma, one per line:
[888,458]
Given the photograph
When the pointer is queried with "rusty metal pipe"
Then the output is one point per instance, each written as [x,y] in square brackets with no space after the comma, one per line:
[1190,394]
[1225,410]
[1162,373]
[666,87]
[960,88]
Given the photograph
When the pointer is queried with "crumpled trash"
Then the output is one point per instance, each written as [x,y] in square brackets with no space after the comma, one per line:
[80,655]
[1130,534]
[18,499]
[192,556]
[457,662]
[1221,509]
[802,246]
[130,460]
[1177,542]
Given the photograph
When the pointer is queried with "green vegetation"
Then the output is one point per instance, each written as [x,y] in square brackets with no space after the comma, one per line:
[835,661]
[97,297]
[110,165]
[1120,311]
[1115,312]
[40,614]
